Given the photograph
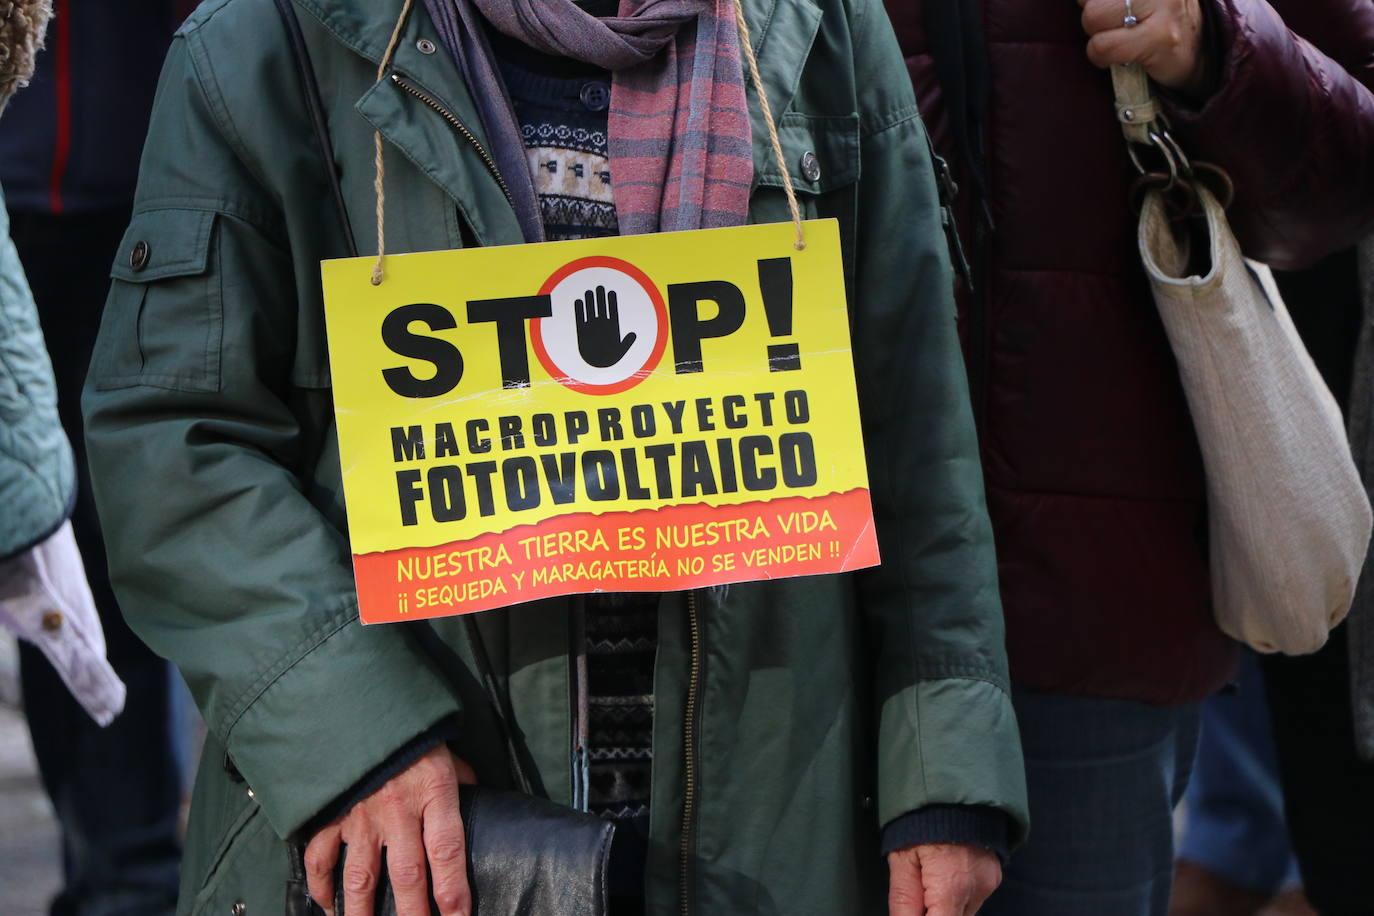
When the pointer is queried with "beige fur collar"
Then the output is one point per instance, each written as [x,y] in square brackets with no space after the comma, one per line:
[22,25]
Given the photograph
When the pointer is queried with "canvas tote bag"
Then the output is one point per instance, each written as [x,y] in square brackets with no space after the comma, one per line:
[1288,519]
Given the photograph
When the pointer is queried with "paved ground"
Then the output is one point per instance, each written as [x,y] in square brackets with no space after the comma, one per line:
[29,855]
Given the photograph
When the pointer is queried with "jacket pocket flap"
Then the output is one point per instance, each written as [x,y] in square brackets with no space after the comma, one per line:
[821,153]
[164,243]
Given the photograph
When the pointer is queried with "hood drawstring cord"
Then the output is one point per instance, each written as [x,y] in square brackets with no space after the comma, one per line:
[377,182]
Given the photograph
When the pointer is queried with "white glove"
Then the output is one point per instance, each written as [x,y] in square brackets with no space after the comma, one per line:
[44,598]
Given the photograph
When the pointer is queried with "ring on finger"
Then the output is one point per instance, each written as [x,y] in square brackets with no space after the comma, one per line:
[1129,21]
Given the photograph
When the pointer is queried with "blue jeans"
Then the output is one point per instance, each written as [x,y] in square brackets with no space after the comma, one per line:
[1235,825]
[1104,777]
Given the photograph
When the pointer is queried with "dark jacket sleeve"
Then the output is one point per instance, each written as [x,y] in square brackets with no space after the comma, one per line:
[1291,125]
[946,730]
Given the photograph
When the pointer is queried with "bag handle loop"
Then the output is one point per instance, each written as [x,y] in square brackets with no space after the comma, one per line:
[1147,129]
[1145,126]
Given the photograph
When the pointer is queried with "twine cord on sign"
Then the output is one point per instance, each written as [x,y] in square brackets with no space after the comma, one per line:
[774,141]
[377,181]
[746,46]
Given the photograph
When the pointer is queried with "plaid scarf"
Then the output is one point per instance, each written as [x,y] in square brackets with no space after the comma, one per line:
[680,140]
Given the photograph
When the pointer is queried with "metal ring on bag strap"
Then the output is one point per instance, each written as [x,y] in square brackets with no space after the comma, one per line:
[1145,126]
[1204,174]
[1179,168]
[1224,189]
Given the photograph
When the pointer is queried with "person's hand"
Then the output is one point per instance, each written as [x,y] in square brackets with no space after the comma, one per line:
[940,879]
[1166,41]
[415,816]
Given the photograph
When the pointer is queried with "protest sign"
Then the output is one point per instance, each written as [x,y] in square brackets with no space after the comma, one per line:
[645,413]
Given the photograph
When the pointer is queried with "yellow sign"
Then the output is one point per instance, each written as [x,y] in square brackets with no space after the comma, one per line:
[645,413]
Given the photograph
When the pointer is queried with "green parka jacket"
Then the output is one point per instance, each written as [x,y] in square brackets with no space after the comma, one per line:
[823,707]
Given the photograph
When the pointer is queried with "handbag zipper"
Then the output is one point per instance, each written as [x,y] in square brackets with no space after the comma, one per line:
[689,730]
[461,128]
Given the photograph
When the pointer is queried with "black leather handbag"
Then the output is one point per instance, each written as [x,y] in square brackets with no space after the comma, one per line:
[527,856]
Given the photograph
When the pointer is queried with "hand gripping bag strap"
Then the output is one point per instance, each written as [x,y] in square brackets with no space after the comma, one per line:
[1288,519]
[526,857]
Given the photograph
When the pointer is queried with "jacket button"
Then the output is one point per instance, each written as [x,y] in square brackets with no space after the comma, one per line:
[810,166]
[138,258]
[52,621]
[425,46]
[866,802]
[596,96]
[238,909]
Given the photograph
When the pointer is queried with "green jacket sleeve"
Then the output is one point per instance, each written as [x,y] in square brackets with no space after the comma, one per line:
[947,733]
[200,446]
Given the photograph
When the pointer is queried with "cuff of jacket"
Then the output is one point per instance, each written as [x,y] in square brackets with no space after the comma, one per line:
[969,825]
[439,733]
[952,741]
[340,703]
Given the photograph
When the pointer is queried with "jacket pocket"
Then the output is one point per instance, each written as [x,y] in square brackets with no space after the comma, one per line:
[163,321]
[821,155]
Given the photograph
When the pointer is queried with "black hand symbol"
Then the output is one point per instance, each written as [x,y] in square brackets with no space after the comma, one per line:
[598,329]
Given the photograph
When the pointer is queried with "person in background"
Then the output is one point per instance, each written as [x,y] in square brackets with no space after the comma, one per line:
[1322,705]
[68,162]
[1094,479]
[1234,857]
[44,597]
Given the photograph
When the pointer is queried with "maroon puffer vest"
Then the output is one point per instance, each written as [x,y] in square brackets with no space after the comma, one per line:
[1094,479]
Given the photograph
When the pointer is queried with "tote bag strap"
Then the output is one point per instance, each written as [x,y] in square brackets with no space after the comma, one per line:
[310,90]
[1146,129]
[1157,156]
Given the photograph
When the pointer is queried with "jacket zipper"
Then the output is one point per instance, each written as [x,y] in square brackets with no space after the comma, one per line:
[689,729]
[457,125]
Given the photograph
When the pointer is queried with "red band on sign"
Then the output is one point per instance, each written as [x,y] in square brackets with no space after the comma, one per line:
[678,547]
